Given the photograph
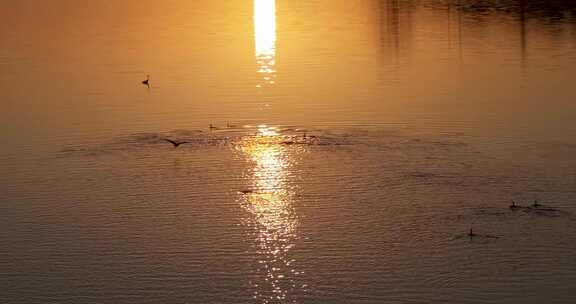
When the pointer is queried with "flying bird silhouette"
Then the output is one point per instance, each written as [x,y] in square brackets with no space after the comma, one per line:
[147,81]
[175,143]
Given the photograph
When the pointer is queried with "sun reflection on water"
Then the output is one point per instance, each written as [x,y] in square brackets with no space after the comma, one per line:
[272,218]
[265,39]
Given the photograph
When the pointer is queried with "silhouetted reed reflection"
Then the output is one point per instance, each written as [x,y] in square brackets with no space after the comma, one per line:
[463,15]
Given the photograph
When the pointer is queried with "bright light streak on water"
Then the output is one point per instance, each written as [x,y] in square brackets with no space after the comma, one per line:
[265,39]
[272,217]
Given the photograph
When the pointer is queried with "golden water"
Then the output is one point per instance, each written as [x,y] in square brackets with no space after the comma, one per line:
[354,144]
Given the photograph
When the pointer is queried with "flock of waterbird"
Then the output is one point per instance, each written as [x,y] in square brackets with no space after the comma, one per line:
[211,127]
[295,139]
[533,207]
[176,143]
[514,207]
[471,234]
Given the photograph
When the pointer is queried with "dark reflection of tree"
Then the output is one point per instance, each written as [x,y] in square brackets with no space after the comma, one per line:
[545,10]
[393,26]
[522,9]
[460,36]
[396,30]
[554,13]
[396,22]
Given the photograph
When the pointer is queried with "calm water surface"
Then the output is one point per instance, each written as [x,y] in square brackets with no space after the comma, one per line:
[355,143]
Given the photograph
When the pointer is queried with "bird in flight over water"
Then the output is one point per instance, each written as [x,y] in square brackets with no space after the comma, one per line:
[147,81]
[175,143]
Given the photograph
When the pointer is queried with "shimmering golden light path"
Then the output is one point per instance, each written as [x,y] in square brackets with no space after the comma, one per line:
[272,217]
[265,39]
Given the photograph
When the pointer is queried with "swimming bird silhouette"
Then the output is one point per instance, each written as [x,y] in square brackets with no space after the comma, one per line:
[471,235]
[212,127]
[147,81]
[536,205]
[514,206]
[175,143]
